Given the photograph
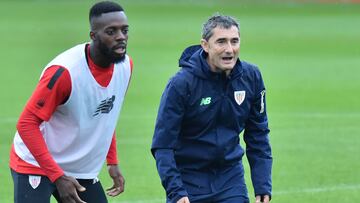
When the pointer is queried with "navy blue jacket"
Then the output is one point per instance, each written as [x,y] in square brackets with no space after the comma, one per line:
[200,119]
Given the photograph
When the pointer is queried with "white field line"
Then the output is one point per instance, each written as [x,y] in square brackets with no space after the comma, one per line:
[276,193]
[319,189]
[317,114]
[141,201]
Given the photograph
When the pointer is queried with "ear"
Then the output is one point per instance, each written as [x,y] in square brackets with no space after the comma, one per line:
[205,45]
[92,36]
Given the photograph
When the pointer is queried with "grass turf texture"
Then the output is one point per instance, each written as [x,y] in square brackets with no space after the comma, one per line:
[309,55]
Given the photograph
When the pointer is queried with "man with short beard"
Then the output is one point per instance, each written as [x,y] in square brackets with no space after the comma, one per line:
[67,129]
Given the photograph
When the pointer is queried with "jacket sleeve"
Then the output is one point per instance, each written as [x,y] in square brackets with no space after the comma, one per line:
[256,137]
[167,129]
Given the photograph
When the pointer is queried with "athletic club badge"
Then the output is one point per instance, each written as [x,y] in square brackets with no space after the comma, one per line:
[239,97]
[34,181]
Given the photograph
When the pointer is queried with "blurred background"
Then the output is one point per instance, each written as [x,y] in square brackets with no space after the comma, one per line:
[307,51]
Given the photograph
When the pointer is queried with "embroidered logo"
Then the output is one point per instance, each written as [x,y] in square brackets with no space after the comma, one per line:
[105,106]
[95,180]
[40,103]
[262,108]
[34,181]
[205,101]
[239,96]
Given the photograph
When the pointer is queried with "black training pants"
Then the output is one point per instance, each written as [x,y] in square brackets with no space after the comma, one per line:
[25,193]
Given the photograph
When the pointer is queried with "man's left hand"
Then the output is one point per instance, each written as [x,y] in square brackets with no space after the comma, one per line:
[266,199]
[118,180]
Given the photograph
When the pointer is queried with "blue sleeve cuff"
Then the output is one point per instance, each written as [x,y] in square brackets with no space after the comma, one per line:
[178,196]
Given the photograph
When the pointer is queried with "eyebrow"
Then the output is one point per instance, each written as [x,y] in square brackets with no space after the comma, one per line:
[220,39]
[116,27]
[224,38]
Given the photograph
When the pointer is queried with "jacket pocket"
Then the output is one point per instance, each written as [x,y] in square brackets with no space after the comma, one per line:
[196,183]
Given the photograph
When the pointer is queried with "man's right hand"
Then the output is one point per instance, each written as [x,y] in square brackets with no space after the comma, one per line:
[183,200]
[67,187]
[264,199]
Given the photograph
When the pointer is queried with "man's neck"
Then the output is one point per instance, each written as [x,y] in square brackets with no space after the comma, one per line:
[98,58]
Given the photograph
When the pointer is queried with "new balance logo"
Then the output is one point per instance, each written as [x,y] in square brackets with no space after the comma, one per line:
[205,101]
[40,103]
[105,106]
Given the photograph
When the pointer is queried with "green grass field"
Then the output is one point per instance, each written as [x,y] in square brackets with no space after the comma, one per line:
[309,55]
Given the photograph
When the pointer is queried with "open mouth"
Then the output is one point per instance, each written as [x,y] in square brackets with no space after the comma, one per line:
[227,58]
[120,49]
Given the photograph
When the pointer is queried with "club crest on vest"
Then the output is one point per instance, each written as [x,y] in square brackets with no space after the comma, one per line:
[34,181]
[239,96]
[105,106]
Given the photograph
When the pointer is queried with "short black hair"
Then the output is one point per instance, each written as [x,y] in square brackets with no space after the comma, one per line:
[104,7]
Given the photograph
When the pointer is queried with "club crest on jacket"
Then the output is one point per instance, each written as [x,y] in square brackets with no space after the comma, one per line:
[239,97]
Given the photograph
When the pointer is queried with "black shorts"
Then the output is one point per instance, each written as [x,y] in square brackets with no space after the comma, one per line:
[38,189]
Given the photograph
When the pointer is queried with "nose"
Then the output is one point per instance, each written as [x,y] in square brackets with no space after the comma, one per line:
[228,47]
[120,36]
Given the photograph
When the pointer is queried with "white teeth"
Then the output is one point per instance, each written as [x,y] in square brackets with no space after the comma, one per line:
[120,50]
